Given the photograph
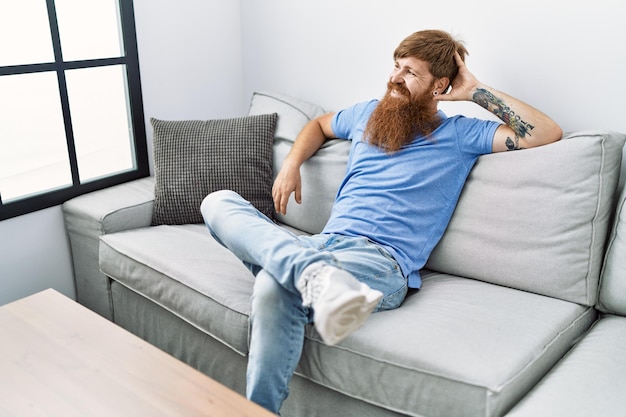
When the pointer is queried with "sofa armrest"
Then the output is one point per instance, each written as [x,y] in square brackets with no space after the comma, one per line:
[87,217]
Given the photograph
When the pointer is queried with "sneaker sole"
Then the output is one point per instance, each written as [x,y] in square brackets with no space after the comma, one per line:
[347,316]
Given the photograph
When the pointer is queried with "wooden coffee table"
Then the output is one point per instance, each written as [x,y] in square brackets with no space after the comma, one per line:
[58,358]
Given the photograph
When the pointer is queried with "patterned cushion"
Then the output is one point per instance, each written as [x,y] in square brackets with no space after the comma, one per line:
[193,158]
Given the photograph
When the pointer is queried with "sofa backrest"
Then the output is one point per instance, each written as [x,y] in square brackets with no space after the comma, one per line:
[613,280]
[538,219]
[535,220]
[321,174]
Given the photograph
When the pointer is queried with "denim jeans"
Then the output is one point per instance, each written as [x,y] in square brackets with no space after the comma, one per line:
[277,257]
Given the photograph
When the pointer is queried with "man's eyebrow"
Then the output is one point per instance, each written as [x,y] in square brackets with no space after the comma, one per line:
[408,66]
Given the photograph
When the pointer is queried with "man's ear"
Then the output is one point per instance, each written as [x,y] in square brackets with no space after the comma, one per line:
[442,85]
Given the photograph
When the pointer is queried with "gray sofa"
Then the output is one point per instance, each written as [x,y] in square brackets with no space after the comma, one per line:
[522,309]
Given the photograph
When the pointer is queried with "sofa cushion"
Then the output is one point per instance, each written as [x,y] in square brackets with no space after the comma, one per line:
[613,282]
[184,270]
[193,158]
[589,381]
[444,352]
[293,113]
[536,219]
[321,174]
[458,347]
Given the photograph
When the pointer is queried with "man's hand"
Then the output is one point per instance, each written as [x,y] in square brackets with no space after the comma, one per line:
[463,86]
[309,140]
[287,181]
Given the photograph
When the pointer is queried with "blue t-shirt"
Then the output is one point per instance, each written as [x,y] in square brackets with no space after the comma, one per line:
[403,201]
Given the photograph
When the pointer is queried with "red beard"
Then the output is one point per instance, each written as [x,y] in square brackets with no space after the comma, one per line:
[396,121]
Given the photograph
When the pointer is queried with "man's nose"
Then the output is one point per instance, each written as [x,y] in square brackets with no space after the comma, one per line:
[396,77]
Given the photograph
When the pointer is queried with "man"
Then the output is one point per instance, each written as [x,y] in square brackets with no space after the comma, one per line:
[407,166]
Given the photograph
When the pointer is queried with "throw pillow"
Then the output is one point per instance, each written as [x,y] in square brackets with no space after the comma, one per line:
[193,158]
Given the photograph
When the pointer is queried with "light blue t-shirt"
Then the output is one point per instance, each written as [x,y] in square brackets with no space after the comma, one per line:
[403,201]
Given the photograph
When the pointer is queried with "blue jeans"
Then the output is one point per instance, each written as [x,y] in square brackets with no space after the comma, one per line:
[277,257]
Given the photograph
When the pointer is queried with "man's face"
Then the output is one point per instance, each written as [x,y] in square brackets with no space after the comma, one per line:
[410,78]
[407,109]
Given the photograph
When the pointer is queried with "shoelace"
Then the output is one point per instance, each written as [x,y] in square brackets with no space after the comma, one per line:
[311,285]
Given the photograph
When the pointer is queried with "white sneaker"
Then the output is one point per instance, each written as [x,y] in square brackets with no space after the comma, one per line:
[340,303]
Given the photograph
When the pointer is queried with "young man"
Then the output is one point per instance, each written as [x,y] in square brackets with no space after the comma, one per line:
[408,163]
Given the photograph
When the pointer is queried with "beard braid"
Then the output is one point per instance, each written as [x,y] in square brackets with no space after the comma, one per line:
[396,121]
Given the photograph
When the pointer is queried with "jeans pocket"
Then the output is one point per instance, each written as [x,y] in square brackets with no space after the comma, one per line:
[385,253]
[394,299]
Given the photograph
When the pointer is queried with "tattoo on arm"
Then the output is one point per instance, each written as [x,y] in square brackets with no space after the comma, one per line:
[504,112]
[513,145]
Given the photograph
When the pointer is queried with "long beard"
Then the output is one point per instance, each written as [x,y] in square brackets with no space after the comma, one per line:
[396,121]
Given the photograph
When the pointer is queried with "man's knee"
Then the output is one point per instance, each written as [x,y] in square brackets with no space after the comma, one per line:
[271,299]
[214,203]
[267,292]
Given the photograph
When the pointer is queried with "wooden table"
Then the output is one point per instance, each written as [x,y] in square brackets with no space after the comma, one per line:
[58,358]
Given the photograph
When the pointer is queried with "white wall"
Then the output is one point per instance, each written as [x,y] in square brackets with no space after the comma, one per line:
[568,59]
[190,59]
[190,62]
[34,255]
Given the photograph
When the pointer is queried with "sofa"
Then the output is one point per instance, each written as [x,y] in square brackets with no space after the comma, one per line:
[522,311]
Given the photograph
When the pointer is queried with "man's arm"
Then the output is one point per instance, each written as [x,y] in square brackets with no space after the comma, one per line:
[309,140]
[525,126]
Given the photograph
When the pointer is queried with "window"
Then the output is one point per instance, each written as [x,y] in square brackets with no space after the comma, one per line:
[71,114]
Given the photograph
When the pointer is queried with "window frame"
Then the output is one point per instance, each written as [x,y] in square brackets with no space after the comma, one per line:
[130,60]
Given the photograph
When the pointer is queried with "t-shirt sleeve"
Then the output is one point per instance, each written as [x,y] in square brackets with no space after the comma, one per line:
[346,122]
[476,135]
